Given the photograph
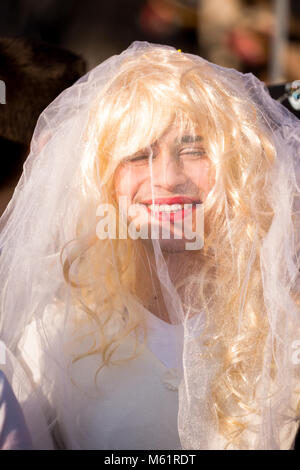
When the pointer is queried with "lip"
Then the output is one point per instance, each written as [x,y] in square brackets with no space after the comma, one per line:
[172,216]
[171,200]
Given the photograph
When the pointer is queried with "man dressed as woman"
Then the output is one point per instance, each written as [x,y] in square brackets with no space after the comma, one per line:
[149,267]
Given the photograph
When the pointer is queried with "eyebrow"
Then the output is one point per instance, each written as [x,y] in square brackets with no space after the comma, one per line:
[185,139]
[189,139]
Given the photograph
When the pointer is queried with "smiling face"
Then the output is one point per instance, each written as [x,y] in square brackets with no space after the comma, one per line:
[173,172]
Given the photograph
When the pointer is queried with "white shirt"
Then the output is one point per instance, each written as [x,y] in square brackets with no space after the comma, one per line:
[136,406]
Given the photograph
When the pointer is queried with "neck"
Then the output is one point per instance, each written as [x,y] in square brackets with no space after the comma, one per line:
[178,265]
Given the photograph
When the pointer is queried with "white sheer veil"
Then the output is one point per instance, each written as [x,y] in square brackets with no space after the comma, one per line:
[240,373]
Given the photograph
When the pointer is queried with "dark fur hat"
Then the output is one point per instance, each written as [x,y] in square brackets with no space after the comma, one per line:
[34,73]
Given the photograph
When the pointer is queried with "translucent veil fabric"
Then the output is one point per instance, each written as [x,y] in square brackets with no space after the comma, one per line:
[68,293]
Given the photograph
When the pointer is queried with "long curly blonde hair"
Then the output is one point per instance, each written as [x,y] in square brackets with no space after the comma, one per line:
[147,95]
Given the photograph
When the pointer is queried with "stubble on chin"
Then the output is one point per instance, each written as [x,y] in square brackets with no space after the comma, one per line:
[167,246]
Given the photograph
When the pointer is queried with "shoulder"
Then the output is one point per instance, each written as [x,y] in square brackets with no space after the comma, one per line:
[38,338]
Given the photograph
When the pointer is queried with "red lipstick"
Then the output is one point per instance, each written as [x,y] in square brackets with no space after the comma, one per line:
[172,200]
[172,216]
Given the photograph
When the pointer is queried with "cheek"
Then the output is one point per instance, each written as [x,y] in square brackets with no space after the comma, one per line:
[202,175]
[126,182]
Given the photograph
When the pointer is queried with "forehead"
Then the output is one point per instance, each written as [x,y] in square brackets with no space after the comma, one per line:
[185,135]
[174,136]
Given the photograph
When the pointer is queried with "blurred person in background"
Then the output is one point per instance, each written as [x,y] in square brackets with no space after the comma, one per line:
[162,18]
[239,33]
[34,73]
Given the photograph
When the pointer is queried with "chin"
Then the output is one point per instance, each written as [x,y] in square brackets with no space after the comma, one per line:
[172,246]
[168,246]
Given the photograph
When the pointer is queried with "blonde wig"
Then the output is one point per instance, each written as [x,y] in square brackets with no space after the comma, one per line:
[239,373]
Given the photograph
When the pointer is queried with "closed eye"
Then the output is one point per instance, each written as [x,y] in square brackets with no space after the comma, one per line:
[193,152]
[139,159]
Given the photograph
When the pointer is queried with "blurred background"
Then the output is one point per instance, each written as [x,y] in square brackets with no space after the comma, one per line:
[258,35]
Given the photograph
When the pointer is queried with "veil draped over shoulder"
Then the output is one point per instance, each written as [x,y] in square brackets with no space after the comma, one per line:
[70,294]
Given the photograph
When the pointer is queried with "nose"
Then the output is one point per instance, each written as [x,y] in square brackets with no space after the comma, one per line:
[168,171]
